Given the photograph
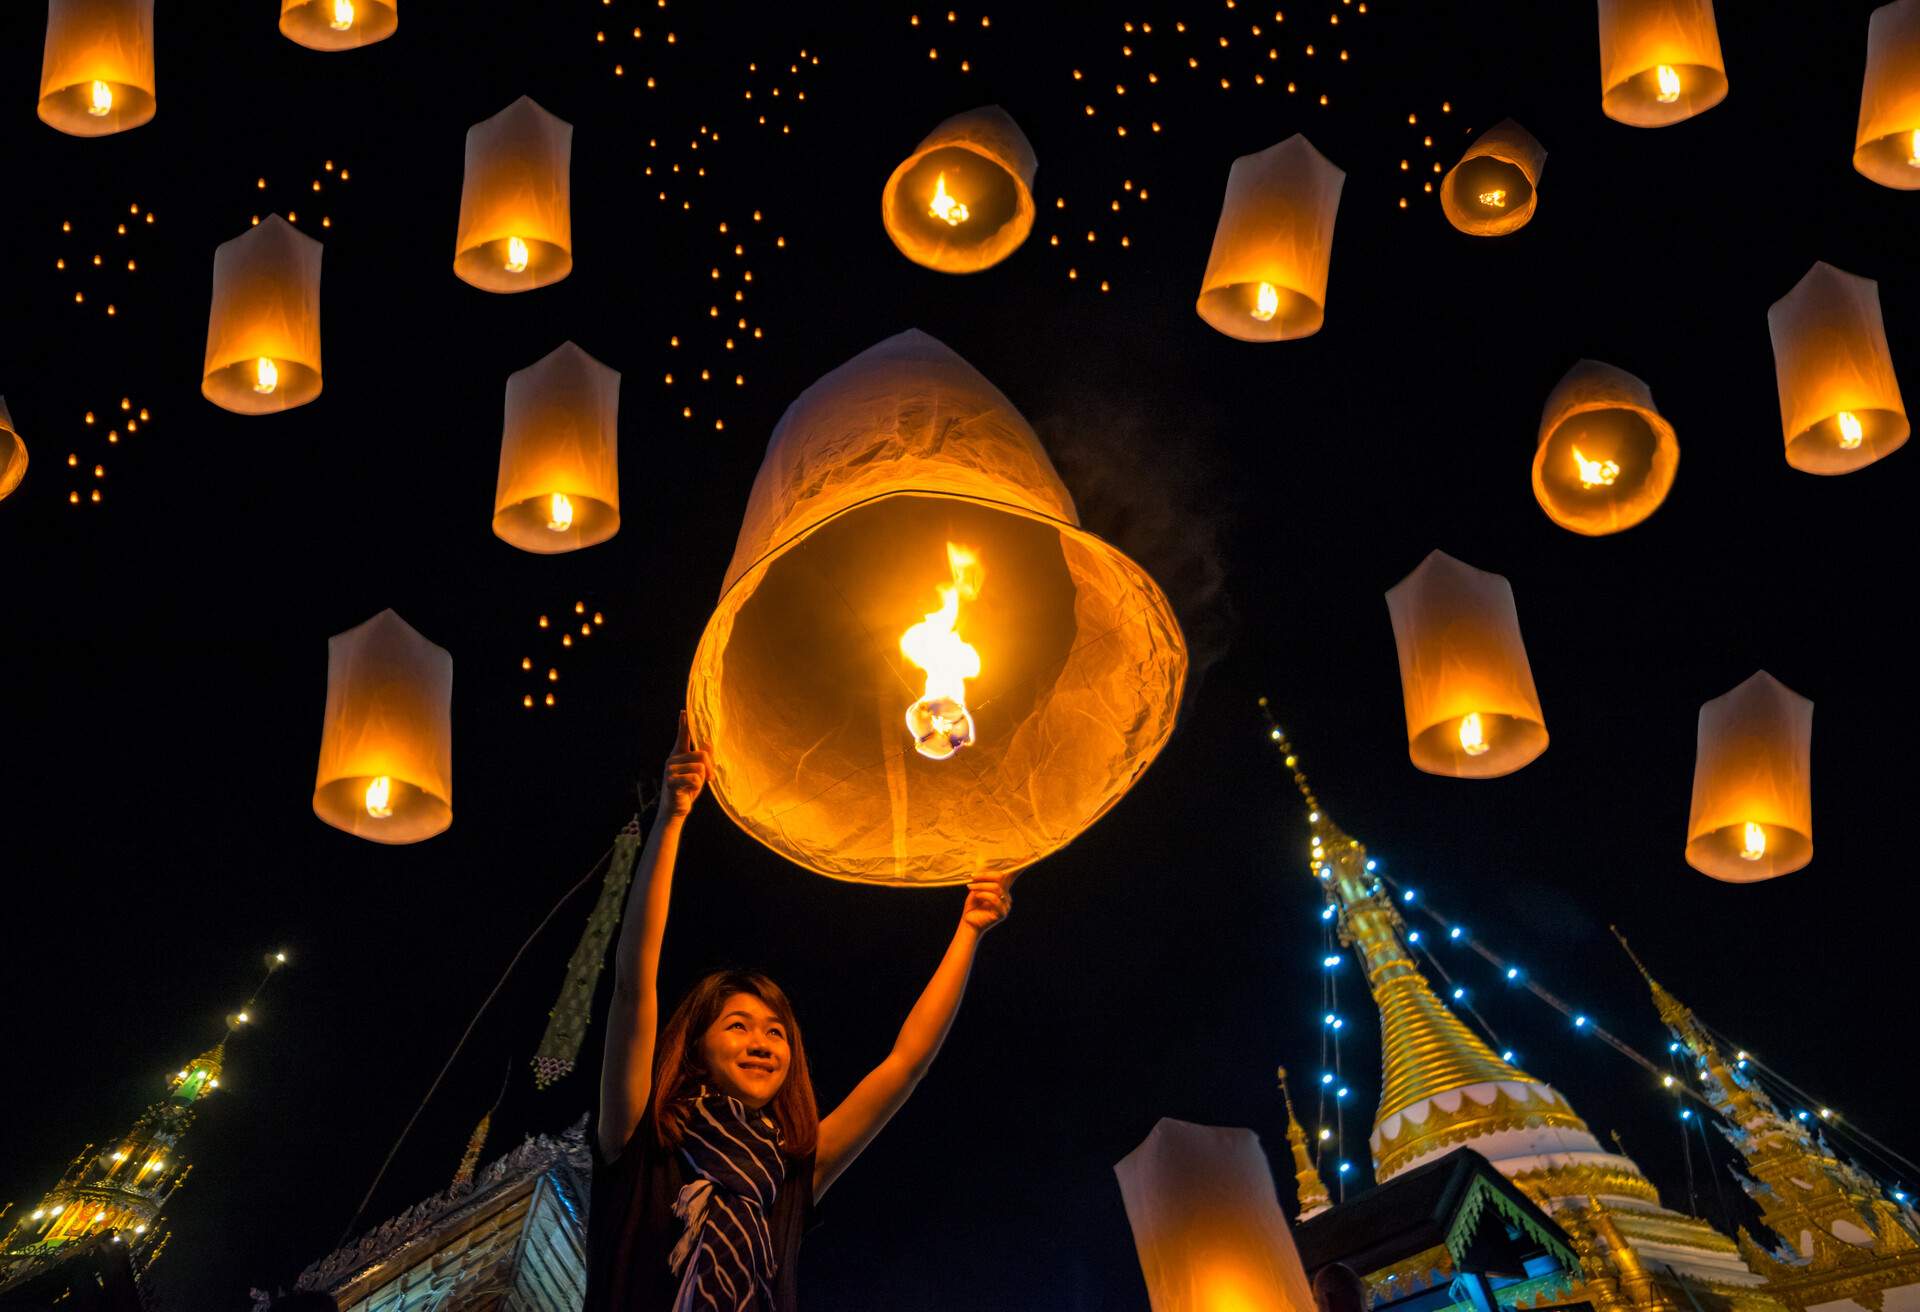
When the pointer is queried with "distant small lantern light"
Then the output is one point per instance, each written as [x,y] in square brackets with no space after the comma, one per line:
[1606,457]
[1491,191]
[386,744]
[1840,405]
[1472,710]
[96,76]
[338,24]
[1266,278]
[1660,61]
[516,210]
[559,484]
[13,453]
[1752,811]
[263,331]
[1887,143]
[963,200]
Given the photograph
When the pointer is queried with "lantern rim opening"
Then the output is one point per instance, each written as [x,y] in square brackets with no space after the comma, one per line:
[1230,309]
[1817,448]
[309,23]
[13,454]
[1885,158]
[417,814]
[1597,512]
[69,108]
[1635,99]
[1719,852]
[484,265]
[1473,176]
[1512,741]
[232,386]
[524,524]
[1004,211]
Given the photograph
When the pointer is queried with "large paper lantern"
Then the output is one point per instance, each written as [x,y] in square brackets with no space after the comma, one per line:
[963,201]
[1491,191]
[559,486]
[13,453]
[1660,61]
[921,669]
[338,24]
[1606,457]
[96,76]
[1752,812]
[386,747]
[1207,1223]
[1886,146]
[263,332]
[1840,405]
[1266,278]
[516,207]
[1472,711]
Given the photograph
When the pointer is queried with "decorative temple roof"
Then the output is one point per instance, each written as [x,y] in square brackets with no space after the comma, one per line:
[1310,1191]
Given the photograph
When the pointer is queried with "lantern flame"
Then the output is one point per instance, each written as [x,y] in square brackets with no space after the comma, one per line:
[1473,736]
[1669,83]
[516,255]
[559,512]
[1595,473]
[1756,842]
[342,15]
[380,796]
[1497,198]
[1851,433]
[1913,150]
[266,376]
[102,102]
[944,206]
[1266,303]
[940,722]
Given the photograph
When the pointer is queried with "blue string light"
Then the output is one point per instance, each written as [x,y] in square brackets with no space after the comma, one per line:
[1326,1077]
[1459,994]
[1372,863]
[1513,972]
[1686,1113]
[1345,1167]
[1507,1056]
[1407,896]
[1579,1022]
[1327,914]
[1413,936]
[1330,962]
[1454,932]
[1341,1092]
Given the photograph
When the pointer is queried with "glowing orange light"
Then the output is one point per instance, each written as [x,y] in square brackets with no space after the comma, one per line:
[101,103]
[516,255]
[1669,77]
[1267,303]
[1595,473]
[559,512]
[266,376]
[1473,737]
[379,797]
[1851,433]
[945,207]
[1755,843]
[939,721]
[342,15]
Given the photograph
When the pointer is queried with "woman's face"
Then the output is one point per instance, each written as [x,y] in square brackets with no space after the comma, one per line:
[745,1050]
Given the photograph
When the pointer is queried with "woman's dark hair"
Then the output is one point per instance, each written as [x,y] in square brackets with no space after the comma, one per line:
[677,1067]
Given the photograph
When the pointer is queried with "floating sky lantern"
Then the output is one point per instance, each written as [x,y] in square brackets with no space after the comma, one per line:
[1840,406]
[263,332]
[13,453]
[1266,279]
[1472,711]
[338,24]
[386,746]
[1490,192]
[1752,812]
[1660,61]
[921,669]
[1207,1223]
[96,76]
[1887,144]
[1606,457]
[963,201]
[559,485]
[516,209]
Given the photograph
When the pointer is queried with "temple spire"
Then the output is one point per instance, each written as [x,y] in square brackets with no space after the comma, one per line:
[1310,1192]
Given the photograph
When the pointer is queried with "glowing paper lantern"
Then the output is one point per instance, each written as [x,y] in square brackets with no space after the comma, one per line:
[338,24]
[386,746]
[963,201]
[1840,405]
[559,486]
[1490,192]
[13,453]
[516,208]
[1752,812]
[96,76]
[1886,147]
[1266,280]
[1606,457]
[911,586]
[263,332]
[1472,711]
[1660,61]
[1207,1224]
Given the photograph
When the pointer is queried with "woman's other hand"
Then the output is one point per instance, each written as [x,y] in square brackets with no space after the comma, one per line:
[989,901]
[687,772]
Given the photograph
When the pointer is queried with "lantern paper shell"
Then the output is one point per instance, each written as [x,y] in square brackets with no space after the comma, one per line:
[1753,768]
[1207,1223]
[266,306]
[96,77]
[1606,457]
[518,186]
[1461,655]
[985,164]
[1840,405]
[389,716]
[1266,279]
[1886,146]
[316,24]
[1660,61]
[799,687]
[1492,190]
[13,453]
[561,438]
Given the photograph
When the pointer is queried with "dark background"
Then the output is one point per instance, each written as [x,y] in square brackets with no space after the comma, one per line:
[164,657]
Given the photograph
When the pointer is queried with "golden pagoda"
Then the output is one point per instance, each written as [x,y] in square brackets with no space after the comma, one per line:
[1310,1191]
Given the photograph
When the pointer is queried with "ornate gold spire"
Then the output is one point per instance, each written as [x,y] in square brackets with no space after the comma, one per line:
[1310,1192]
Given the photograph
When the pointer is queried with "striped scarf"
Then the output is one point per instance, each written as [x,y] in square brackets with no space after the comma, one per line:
[725,1259]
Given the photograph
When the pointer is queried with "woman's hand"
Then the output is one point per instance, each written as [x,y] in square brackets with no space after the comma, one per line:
[687,772]
[989,901]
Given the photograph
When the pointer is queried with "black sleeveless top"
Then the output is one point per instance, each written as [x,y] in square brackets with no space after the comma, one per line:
[631,1227]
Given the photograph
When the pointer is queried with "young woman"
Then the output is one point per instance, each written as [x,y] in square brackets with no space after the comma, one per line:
[710,1152]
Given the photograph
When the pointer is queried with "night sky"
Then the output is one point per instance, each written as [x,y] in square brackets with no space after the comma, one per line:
[164,659]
